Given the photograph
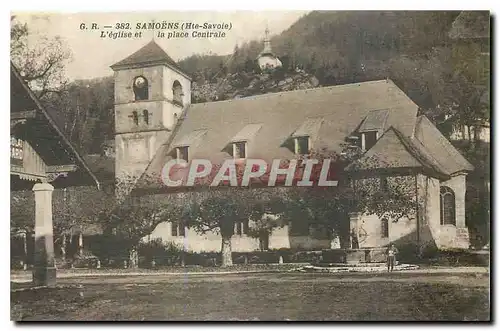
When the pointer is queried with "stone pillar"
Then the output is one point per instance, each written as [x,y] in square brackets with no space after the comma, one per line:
[459,190]
[44,272]
[80,243]
[25,250]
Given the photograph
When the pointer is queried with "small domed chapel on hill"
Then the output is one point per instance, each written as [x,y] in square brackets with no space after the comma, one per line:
[155,122]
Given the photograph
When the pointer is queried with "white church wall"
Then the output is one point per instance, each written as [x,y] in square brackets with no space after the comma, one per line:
[211,241]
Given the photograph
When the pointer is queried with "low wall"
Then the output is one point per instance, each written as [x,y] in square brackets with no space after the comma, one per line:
[354,256]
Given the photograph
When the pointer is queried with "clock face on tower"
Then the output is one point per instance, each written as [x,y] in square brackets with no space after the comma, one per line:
[139,82]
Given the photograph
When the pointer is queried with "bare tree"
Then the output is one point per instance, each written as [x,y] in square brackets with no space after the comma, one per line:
[42,61]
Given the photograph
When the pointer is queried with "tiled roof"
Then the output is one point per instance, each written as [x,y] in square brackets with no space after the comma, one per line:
[428,150]
[374,121]
[190,139]
[247,133]
[58,149]
[341,108]
[309,128]
[391,151]
[440,148]
[150,54]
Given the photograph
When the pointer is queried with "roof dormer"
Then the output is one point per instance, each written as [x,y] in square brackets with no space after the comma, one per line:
[186,145]
[240,141]
[304,136]
[371,128]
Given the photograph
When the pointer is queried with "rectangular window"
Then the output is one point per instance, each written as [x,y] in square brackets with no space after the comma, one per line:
[368,139]
[239,150]
[245,227]
[145,115]
[16,151]
[385,228]
[135,117]
[301,145]
[182,153]
[241,227]
[178,229]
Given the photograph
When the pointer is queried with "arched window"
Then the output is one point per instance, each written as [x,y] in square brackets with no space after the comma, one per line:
[145,114]
[135,117]
[140,86]
[177,92]
[447,206]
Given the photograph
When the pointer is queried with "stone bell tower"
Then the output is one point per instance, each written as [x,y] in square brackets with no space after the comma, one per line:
[151,91]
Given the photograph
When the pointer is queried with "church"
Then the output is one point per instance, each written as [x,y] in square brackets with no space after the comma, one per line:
[155,122]
[267,60]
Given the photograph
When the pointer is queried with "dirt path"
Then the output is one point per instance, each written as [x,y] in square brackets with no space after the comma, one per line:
[284,296]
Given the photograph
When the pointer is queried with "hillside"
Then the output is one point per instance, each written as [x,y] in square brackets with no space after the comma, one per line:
[345,47]
[243,84]
[320,49]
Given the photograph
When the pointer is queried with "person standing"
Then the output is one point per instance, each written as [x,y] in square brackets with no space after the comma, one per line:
[392,251]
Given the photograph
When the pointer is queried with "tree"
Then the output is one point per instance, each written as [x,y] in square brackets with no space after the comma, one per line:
[250,66]
[135,217]
[73,208]
[326,207]
[22,211]
[76,209]
[329,207]
[70,207]
[263,226]
[219,209]
[85,112]
[266,214]
[41,63]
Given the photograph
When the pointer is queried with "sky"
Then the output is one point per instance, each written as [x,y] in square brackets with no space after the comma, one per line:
[92,55]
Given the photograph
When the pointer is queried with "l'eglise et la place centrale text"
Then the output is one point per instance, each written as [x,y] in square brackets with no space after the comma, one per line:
[167,35]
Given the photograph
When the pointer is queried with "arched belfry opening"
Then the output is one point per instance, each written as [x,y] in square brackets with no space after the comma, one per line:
[177,92]
[141,88]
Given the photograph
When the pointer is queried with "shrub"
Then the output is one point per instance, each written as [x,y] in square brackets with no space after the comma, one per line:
[85,260]
[307,257]
[110,250]
[461,258]
[163,253]
[408,253]
[205,259]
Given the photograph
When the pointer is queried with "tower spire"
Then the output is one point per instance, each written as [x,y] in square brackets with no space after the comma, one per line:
[154,29]
[266,58]
[267,41]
